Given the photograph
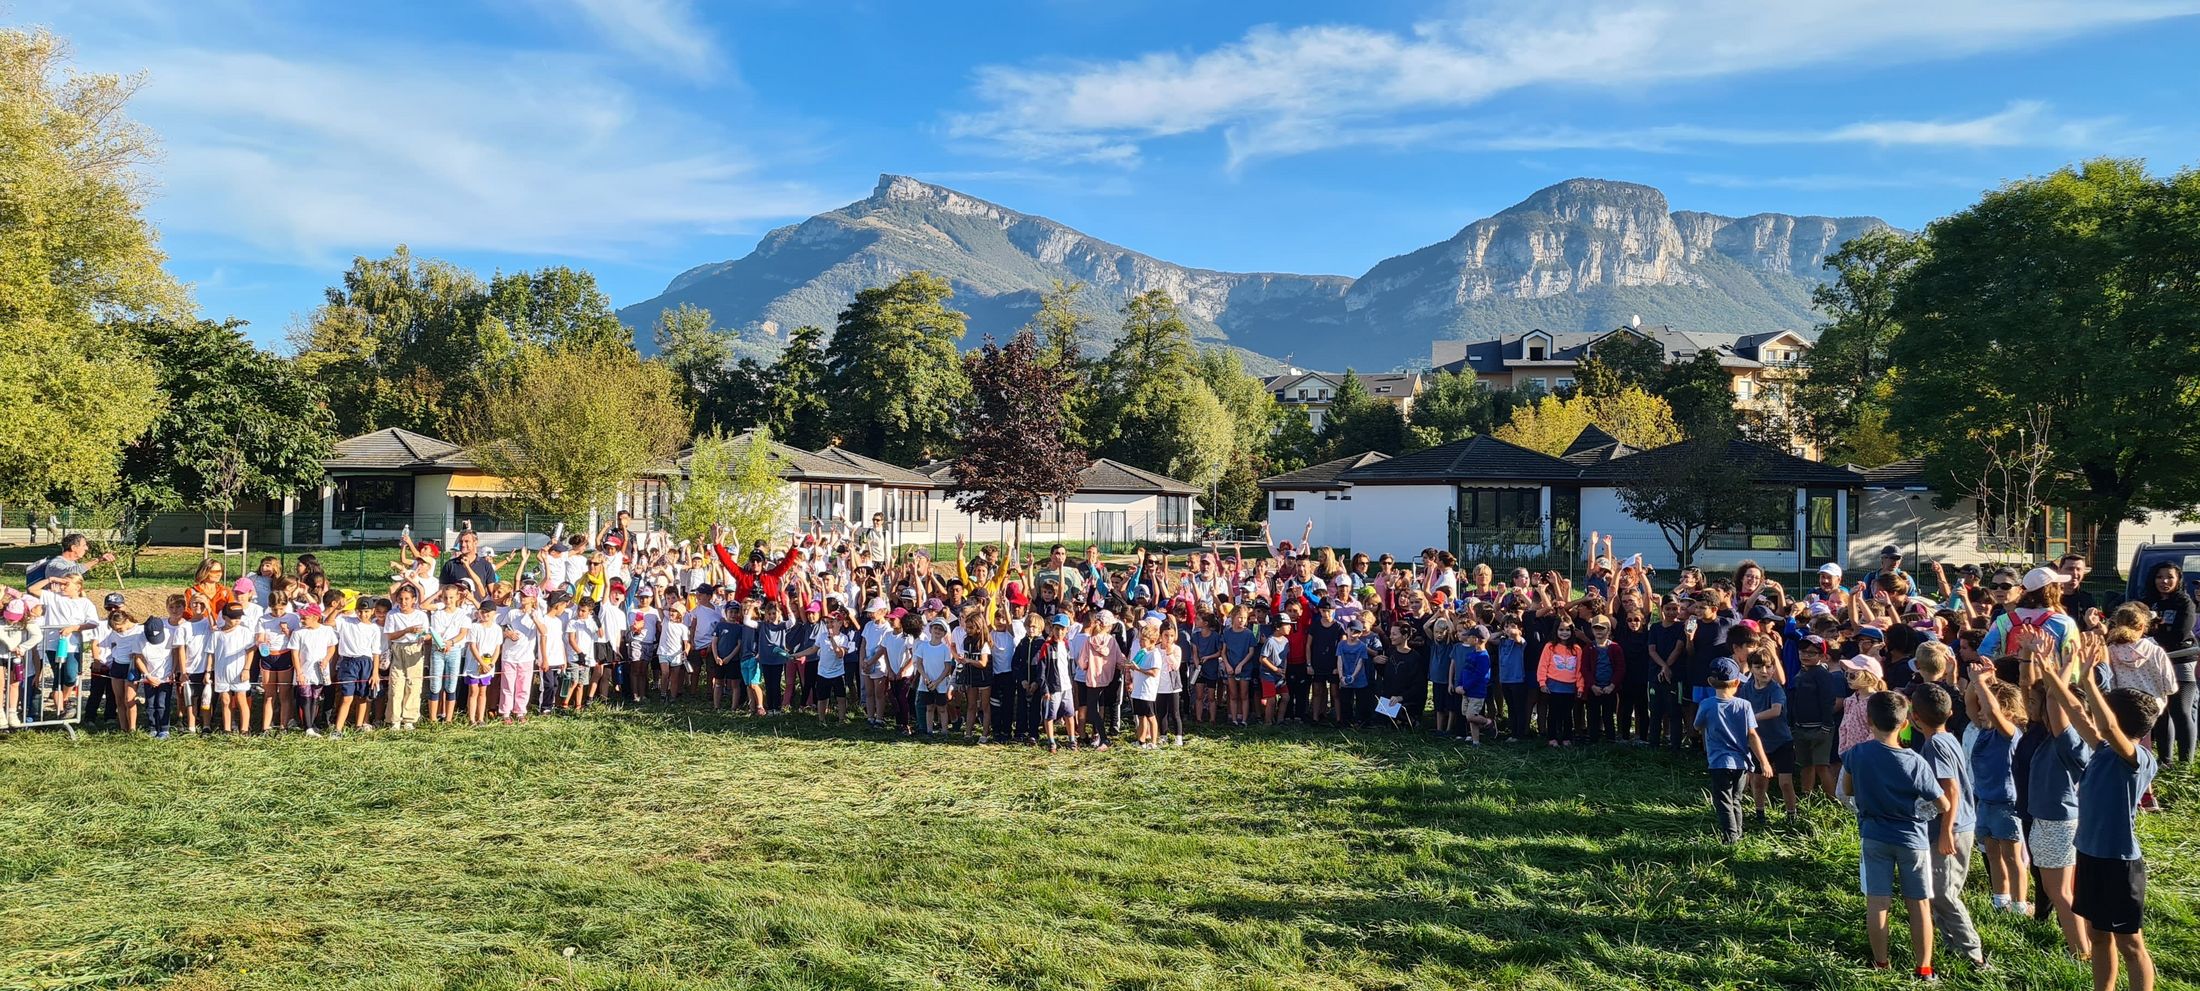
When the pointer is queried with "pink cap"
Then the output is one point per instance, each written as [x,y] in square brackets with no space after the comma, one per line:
[244,586]
[1862,663]
[16,611]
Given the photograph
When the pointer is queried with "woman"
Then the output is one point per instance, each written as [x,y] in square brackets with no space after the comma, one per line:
[208,593]
[2173,631]
[2038,612]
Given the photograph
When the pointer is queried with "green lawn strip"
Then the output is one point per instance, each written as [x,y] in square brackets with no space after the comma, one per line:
[681,849]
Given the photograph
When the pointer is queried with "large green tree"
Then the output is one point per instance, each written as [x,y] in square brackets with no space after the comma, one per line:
[1849,368]
[556,308]
[571,427]
[692,347]
[893,373]
[2077,292]
[75,255]
[796,408]
[239,423]
[1701,393]
[1156,411]
[1357,421]
[397,344]
[1450,407]
[1256,418]
[1623,358]
[1062,329]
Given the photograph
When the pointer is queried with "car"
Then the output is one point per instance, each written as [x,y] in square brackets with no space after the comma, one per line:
[2182,550]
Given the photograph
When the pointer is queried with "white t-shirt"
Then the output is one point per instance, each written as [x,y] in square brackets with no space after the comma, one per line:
[550,629]
[483,639]
[65,610]
[160,662]
[279,630]
[935,664]
[1144,685]
[899,659]
[672,644]
[396,621]
[702,621]
[448,627]
[584,635]
[231,650]
[1278,652]
[121,646]
[358,637]
[611,625]
[832,652]
[650,622]
[526,646]
[1004,646]
[311,646]
[193,639]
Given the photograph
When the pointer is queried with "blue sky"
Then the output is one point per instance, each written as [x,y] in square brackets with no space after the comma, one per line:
[636,138]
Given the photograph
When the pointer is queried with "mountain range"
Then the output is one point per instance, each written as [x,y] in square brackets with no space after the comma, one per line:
[1584,254]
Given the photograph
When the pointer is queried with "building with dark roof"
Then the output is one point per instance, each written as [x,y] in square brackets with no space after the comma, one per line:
[1313,392]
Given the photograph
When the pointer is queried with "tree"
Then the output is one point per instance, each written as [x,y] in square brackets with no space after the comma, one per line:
[696,352]
[1146,389]
[1633,417]
[76,256]
[1690,489]
[1016,449]
[1621,359]
[893,374]
[238,423]
[1062,327]
[2077,292]
[1256,418]
[1451,407]
[1295,444]
[613,417]
[795,404]
[1358,422]
[395,345]
[1548,426]
[731,480]
[1846,368]
[556,308]
[1870,441]
[1700,391]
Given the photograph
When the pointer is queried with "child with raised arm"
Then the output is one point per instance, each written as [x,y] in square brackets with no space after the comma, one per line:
[1997,709]
[1897,799]
[2111,888]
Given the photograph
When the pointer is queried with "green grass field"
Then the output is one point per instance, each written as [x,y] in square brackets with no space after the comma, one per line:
[676,849]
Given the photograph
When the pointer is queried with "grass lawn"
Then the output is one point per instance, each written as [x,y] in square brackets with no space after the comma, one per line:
[677,849]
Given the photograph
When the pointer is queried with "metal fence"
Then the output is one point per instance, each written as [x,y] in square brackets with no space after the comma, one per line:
[36,695]
[1506,548]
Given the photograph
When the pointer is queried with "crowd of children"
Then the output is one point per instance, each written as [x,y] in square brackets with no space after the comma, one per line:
[2004,712]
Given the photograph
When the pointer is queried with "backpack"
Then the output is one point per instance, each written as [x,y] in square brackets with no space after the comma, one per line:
[2022,631]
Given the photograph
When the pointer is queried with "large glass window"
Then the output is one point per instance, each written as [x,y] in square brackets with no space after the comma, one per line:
[1778,534]
[909,505]
[1819,525]
[820,501]
[1501,509]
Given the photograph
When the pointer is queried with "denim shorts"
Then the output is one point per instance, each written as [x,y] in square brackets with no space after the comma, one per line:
[1998,820]
[1881,862]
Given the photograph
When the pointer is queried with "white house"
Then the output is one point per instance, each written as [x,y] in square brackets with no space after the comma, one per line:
[1485,499]
[1112,503]
[1899,508]
[1314,495]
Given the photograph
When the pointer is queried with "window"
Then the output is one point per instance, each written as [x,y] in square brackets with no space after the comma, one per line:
[1053,513]
[374,494]
[1283,505]
[1536,352]
[1324,394]
[1176,513]
[489,513]
[645,498]
[1779,536]
[1540,384]
[1818,520]
[1501,509]
[1565,384]
[1302,394]
[908,505]
[820,501]
[1329,496]
[1741,388]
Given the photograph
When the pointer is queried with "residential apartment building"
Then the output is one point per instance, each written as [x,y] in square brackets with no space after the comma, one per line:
[1315,391]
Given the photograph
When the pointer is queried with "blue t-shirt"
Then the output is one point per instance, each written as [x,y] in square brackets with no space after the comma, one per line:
[1474,672]
[1772,731]
[1439,661]
[729,640]
[1726,724]
[1944,750]
[1238,647]
[771,643]
[2051,784]
[1204,645]
[1666,639]
[2108,803]
[1993,770]
[1512,662]
[1352,663]
[1897,796]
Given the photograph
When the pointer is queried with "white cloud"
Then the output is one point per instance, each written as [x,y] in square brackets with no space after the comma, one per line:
[307,160]
[1284,91]
[662,31]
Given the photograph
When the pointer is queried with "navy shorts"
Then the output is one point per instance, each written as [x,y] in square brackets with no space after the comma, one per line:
[353,677]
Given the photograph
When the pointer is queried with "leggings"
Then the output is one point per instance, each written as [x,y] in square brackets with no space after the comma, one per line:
[1519,705]
[1634,711]
[1602,708]
[2177,725]
[1100,703]
[517,682]
[1665,714]
[309,705]
[1168,710]
[1562,716]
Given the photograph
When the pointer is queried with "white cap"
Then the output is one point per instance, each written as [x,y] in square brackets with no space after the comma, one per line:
[877,605]
[1830,568]
[2041,577]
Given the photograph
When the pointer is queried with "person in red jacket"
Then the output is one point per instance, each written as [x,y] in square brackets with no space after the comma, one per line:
[747,580]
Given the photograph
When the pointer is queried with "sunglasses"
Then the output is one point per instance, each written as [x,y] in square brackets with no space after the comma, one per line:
[2001,586]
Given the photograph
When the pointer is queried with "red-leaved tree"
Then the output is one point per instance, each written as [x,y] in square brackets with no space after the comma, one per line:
[1016,446]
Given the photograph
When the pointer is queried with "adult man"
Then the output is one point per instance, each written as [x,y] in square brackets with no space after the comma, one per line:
[74,549]
[469,565]
[871,540]
[2076,601]
[1890,565]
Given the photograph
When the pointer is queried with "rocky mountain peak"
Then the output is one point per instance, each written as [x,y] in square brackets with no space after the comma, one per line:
[1588,200]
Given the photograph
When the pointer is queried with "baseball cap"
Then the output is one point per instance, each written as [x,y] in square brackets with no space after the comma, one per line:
[156,631]
[933,604]
[908,595]
[1890,551]
[2041,577]
[898,613]
[1060,619]
[16,611]
[1814,641]
[113,601]
[311,609]
[1357,626]
[1723,669]
[814,606]
[1830,568]
[1870,664]
[244,586]
[877,604]
[1601,622]
[529,591]
[1763,613]
[1871,633]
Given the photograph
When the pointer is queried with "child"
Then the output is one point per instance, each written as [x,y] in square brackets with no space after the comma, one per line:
[835,646]
[1559,675]
[1354,658]
[557,649]
[1207,650]
[1275,657]
[521,657]
[359,645]
[1865,680]
[581,636]
[2051,801]
[1603,671]
[2112,872]
[935,658]
[1145,672]
[230,648]
[119,645]
[1768,700]
[1060,705]
[278,657]
[484,643]
[155,663]
[1731,743]
[1930,708]
[1814,699]
[1997,709]
[1471,681]
[1239,645]
[1897,798]
[313,651]
[672,650]
[1512,677]
[1440,675]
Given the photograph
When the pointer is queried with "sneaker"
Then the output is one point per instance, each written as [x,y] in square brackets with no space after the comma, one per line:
[1180,739]
[310,731]
[335,734]
[162,735]
[1925,974]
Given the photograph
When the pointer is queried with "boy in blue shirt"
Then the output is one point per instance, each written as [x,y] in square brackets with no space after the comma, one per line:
[1897,799]
[1512,676]
[1769,702]
[1354,655]
[1729,729]
[2111,884]
[1930,708]
[1471,670]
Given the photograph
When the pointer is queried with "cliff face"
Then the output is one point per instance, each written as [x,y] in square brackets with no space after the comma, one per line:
[1579,254]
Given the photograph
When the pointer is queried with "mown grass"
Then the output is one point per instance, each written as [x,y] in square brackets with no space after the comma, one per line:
[676,849]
